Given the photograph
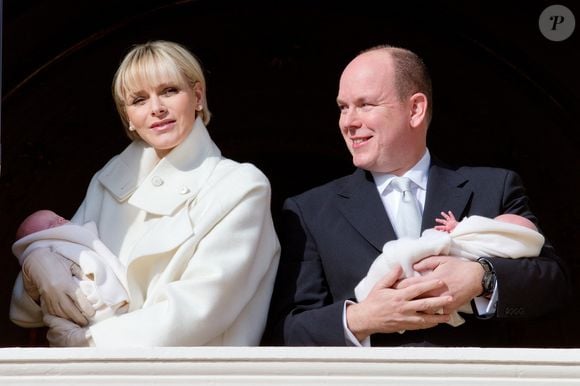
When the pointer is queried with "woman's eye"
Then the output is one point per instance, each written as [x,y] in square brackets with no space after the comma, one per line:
[138,101]
[170,91]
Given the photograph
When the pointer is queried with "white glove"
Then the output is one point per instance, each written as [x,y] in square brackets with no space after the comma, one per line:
[64,333]
[50,276]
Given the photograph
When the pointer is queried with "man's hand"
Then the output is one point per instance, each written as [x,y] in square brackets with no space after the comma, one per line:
[64,333]
[462,279]
[387,309]
[49,280]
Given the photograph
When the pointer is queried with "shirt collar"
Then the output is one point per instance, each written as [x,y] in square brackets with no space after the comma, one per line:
[418,174]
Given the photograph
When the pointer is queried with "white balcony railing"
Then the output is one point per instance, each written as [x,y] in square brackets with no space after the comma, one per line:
[289,366]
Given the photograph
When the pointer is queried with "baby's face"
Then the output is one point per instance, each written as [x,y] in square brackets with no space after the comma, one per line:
[55,221]
[38,221]
[47,219]
[517,220]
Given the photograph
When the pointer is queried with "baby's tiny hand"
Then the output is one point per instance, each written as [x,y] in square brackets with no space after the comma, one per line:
[448,222]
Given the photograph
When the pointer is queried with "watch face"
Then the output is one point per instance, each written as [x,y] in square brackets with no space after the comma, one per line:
[487,280]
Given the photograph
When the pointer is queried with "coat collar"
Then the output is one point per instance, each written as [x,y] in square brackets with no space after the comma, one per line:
[161,187]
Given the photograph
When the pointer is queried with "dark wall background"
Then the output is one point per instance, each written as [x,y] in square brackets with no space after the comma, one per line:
[504,96]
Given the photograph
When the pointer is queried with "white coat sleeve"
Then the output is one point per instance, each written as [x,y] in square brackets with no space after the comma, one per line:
[24,311]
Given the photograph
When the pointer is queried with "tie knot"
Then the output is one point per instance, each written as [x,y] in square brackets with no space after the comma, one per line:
[402,184]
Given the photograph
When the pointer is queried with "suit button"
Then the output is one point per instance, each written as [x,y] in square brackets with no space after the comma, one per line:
[156,181]
[183,190]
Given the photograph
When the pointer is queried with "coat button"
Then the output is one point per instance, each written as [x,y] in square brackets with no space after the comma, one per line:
[184,190]
[157,181]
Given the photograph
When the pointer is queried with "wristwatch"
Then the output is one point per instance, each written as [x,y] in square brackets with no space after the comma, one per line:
[488,280]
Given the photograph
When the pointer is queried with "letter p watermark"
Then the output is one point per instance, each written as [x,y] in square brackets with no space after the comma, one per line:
[559,19]
[557,23]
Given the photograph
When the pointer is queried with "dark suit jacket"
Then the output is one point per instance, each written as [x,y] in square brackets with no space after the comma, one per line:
[331,234]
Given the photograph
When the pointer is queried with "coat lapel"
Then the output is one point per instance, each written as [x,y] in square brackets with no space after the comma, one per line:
[163,189]
[175,229]
[360,203]
[179,176]
[446,190]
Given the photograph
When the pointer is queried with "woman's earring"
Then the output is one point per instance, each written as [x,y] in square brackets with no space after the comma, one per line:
[199,108]
[131,128]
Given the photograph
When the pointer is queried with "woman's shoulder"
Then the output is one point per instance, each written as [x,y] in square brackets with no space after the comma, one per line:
[243,171]
[231,182]
[110,164]
[130,159]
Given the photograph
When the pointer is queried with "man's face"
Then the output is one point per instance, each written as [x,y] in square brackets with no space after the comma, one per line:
[373,121]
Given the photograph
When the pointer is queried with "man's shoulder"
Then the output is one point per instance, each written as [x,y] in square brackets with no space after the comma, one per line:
[319,203]
[471,171]
[323,191]
[482,169]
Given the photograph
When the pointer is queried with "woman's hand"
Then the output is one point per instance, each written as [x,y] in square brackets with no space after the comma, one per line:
[64,333]
[48,279]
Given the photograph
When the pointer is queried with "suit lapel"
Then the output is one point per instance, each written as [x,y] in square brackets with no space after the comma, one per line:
[446,191]
[360,203]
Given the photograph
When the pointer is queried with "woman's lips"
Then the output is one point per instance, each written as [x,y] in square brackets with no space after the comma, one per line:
[163,125]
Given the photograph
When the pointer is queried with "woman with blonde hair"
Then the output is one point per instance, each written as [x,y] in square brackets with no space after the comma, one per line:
[193,229]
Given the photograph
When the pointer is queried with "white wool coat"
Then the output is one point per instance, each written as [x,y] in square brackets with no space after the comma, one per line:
[195,233]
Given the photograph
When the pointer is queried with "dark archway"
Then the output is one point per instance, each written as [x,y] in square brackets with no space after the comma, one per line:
[504,96]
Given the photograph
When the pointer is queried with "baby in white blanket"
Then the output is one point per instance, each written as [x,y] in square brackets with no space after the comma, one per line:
[507,235]
[100,275]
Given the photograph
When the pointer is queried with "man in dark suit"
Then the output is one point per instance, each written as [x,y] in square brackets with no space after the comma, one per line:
[331,234]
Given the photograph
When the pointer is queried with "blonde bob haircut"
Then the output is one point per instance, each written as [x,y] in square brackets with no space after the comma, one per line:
[150,64]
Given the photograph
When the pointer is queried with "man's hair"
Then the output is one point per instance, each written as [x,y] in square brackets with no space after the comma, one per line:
[411,74]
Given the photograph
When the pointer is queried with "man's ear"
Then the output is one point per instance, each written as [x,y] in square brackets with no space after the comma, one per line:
[418,113]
